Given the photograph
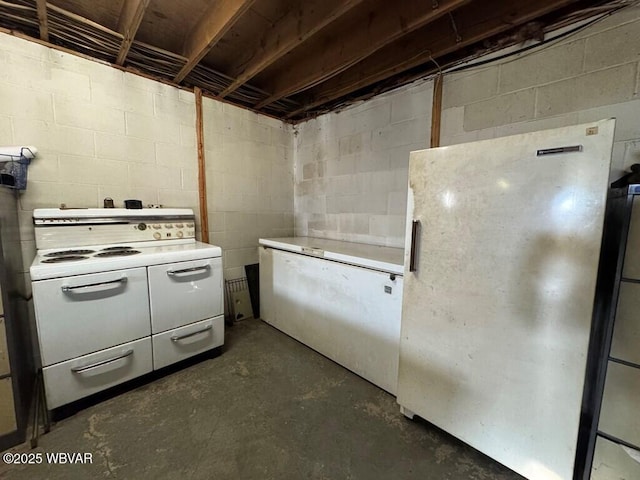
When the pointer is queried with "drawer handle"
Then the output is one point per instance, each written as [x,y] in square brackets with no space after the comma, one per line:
[177,338]
[67,288]
[203,268]
[415,234]
[103,362]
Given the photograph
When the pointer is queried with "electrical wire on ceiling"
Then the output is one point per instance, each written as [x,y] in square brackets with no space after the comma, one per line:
[546,43]
[477,62]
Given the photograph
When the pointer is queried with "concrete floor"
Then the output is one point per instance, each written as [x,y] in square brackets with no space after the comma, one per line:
[267,408]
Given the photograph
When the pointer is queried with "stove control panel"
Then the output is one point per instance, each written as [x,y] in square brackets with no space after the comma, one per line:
[168,231]
[55,232]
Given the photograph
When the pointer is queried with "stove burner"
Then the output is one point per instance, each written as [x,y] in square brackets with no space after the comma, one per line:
[117,253]
[67,258]
[65,253]
[108,249]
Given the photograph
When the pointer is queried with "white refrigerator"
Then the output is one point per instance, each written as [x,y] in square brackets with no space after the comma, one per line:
[501,260]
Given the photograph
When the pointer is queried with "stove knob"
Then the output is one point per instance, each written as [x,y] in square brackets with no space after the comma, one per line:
[157,235]
[179,234]
[142,226]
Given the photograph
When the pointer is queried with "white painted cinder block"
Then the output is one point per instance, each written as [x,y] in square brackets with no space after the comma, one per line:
[119,147]
[463,88]
[6,131]
[44,169]
[49,137]
[341,203]
[161,177]
[92,171]
[86,115]
[604,87]
[373,161]
[189,178]
[402,133]
[40,195]
[187,97]
[500,110]
[613,47]
[142,126]
[77,195]
[25,222]
[181,112]
[397,203]
[116,94]
[179,198]
[537,125]
[414,102]
[188,135]
[66,83]
[399,156]
[9,43]
[545,66]
[26,104]
[352,223]
[169,154]
[371,203]
[28,248]
[387,225]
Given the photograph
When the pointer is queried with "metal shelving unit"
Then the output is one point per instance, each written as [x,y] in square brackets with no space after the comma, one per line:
[613,382]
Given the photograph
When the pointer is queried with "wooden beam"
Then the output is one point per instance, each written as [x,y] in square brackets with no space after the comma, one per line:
[210,29]
[473,23]
[368,28]
[202,177]
[436,111]
[290,31]
[128,24]
[41,6]
[81,19]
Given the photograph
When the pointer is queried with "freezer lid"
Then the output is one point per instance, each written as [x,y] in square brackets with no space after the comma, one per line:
[385,259]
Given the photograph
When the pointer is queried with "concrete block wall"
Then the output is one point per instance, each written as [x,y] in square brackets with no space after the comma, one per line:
[249,159]
[105,133]
[100,133]
[351,167]
[588,76]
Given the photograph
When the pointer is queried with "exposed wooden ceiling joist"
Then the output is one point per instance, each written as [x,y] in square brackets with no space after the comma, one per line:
[372,26]
[288,33]
[473,23]
[128,24]
[292,59]
[210,29]
[41,5]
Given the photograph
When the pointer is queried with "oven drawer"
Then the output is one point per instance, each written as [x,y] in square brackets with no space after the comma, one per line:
[81,377]
[87,313]
[185,292]
[184,342]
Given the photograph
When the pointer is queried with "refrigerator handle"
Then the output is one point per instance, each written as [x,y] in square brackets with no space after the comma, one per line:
[415,233]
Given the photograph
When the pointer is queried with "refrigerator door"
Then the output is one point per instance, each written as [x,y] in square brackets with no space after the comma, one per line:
[497,307]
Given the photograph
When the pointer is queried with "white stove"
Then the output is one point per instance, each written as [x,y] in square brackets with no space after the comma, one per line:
[119,293]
